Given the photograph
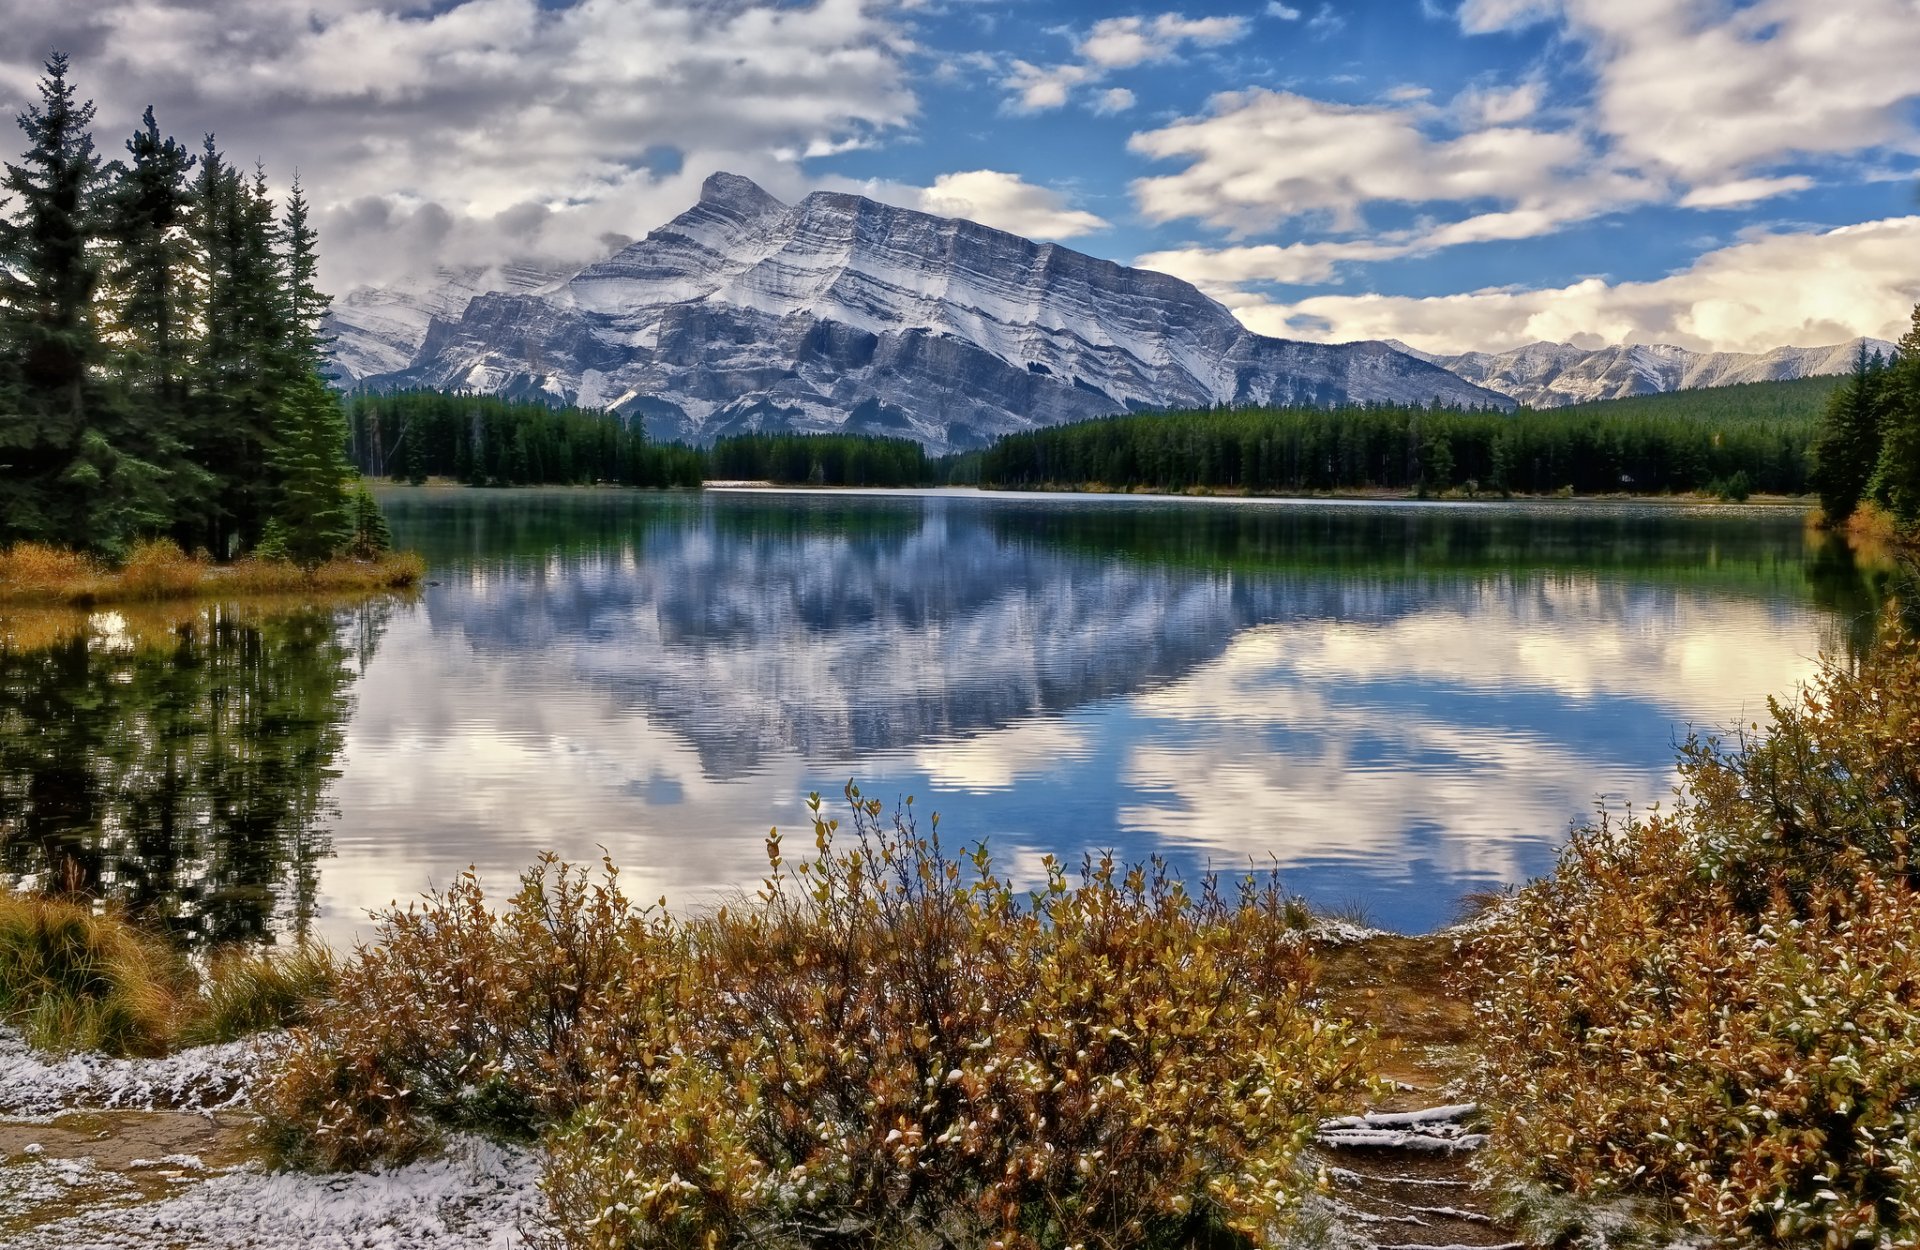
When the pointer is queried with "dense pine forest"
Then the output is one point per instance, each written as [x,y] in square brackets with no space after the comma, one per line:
[161,361]
[1867,453]
[1589,450]
[484,440]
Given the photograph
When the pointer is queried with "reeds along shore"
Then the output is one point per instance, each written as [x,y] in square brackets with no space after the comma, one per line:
[34,574]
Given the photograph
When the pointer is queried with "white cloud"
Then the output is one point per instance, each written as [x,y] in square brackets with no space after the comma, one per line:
[1804,288]
[1262,158]
[1221,271]
[992,198]
[1123,42]
[1114,100]
[479,108]
[1285,12]
[1742,191]
[1115,43]
[1705,90]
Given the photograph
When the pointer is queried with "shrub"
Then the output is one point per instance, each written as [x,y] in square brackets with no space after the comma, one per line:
[888,1047]
[159,570]
[457,1015]
[1717,1010]
[71,980]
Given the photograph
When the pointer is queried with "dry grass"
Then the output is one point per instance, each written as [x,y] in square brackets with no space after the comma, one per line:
[34,574]
[74,980]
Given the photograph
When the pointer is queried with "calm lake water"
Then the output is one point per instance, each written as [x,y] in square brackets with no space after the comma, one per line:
[1394,703]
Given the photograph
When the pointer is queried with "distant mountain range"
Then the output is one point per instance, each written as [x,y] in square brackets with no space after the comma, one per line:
[840,313]
[1552,375]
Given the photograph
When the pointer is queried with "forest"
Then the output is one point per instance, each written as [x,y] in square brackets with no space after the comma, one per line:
[161,360]
[1591,449]
[484,440]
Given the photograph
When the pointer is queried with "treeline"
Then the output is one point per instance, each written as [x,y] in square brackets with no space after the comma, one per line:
[1408,448]
[160,351]
[1868,446]
[484,440]
[821,460]
[1796,400]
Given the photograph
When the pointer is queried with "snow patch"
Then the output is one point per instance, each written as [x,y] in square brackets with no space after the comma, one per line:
[205,1078]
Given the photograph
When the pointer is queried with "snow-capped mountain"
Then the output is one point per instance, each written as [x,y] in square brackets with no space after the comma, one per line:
[1552,375]
[377,330]
[842,313]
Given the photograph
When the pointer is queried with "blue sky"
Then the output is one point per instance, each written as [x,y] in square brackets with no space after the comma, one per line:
[1732,174]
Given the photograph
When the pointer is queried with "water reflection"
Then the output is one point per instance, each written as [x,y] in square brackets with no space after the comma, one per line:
[1394,704]
[178,762]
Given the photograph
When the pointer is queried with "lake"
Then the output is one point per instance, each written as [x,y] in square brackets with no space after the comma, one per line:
[1395,704]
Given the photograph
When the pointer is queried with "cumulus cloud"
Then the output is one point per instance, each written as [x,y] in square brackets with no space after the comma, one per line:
[1114,100]
[1260,159]
[992,198]
[1115,43]
[1705,90]
[471,109]
[1850,281]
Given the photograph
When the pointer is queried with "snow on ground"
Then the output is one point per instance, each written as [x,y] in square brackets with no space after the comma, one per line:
[205,1078]
[477,1196]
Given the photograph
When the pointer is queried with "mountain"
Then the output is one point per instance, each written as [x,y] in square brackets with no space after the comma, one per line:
[841,313]
[377,330]
[1552,375]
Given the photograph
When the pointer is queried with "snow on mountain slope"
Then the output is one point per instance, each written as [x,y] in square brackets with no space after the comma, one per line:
[378,329]
[1551,375]
[842,313]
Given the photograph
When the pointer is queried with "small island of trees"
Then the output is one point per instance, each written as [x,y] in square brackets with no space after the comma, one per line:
[162,367]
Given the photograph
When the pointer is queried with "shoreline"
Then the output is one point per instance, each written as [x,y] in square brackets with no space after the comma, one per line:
[45,578]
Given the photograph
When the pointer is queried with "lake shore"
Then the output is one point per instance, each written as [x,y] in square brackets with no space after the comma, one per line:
[32,575]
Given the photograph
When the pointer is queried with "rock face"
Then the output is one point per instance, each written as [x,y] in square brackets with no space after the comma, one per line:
[841,313]
[1551,375]
[377,330]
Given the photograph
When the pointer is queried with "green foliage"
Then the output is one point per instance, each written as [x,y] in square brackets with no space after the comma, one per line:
[820,460]
[485,440]
[372,537]
[159,350]
[1717,1009]
[1591,449]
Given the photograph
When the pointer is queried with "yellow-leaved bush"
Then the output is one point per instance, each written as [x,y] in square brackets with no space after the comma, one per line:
[1716,1011]
[887,1045]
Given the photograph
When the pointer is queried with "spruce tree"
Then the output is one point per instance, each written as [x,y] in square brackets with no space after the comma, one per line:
[151,277]
[1847,449]
[1896,480]
[74,470]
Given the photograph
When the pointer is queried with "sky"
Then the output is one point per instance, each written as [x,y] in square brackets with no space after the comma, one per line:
[1457,174]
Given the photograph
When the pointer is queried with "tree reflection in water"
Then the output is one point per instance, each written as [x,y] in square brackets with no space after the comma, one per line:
[177,761]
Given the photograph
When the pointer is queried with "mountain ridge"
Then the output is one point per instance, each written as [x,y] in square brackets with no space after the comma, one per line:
[842,313]
[1555,375]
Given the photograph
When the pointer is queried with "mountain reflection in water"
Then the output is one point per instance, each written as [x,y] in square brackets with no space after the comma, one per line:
[1396,704]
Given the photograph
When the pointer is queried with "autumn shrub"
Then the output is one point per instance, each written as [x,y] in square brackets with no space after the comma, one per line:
[892,1046]
[158,569]
[73,980]
[1715,1012]
[458,1015]
[34,570]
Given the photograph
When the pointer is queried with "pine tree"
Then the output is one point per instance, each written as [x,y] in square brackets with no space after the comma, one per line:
[1896,481]
[73,469]
[1847,449]
[151,276]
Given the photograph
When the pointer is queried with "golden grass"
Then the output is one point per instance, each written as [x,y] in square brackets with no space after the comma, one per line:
[33,573]
[75,980]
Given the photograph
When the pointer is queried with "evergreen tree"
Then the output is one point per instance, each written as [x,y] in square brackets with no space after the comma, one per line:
[151,277]
[1847,449]
[73,471]
[1896,481]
